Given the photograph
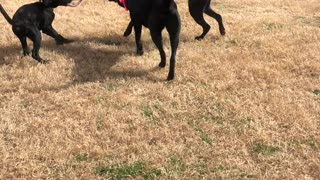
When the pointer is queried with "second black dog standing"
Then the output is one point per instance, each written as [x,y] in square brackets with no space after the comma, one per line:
[196,9]
[155,15]
[31,19]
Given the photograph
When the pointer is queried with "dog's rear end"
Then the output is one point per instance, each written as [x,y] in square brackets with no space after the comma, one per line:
[166,12]
[155,15]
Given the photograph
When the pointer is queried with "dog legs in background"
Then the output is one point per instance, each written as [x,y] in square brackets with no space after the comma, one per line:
[216,16]
[197,8]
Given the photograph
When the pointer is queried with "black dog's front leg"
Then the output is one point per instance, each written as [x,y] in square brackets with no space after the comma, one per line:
[54,34]
[137,30]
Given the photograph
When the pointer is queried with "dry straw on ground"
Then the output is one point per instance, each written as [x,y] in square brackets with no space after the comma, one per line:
[246,105]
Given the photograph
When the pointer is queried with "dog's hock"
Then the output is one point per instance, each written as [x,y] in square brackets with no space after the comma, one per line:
[74,4]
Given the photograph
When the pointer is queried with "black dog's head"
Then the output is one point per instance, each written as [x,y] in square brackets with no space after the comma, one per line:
[56,3]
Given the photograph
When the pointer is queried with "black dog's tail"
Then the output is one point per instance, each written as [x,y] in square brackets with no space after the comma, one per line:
[5,14]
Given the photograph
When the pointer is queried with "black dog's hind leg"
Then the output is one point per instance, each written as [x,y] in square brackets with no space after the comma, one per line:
[35,35]
[173,27]
[19,31]
[23,40]
[128,30]
[54,34]
[196,11]
[157,39]
[216,16]
[137,30]
[156,28]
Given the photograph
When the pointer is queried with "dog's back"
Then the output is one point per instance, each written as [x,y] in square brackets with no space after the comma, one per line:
[31,15]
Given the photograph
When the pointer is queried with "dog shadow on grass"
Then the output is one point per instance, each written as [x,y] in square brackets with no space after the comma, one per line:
[93,58]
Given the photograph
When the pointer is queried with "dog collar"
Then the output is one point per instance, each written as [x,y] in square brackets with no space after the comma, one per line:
[123,2]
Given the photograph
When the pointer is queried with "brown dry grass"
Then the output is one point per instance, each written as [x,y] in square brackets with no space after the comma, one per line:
[242,106]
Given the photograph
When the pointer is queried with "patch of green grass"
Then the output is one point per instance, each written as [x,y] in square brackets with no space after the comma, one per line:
[124,171]
[310,21]
[231,43]
[174,105]
[243,125]
[111,87]
[158,108]
[204,136]
[220,168]
[265,149]
[153,112]
[270,26]
[100,117]
[312,142]
[81,157]
[202,168]
[148,112]
[99,100]
[316,92]
[203,85]
[176,166]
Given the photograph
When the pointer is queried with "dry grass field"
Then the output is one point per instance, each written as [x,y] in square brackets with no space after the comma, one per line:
[243,106]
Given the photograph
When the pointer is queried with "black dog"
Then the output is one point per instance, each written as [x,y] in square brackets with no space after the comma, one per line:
[32,18]
[197,8]
[155,15]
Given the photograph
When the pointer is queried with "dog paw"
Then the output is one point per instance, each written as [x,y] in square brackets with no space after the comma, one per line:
[162,64]
[170,76]
[222,32]
[140,52]
[67,41]
[199,38]
[26,53]
[59,42]
[41,61]
[126,33]
[64,41]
